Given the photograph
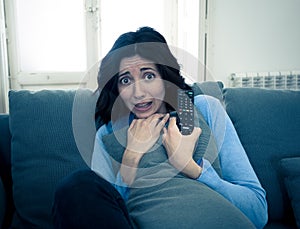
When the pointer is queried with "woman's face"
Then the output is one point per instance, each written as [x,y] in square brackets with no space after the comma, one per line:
[141,86]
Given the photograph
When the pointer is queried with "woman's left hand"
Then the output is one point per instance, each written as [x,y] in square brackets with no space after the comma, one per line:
[180,149]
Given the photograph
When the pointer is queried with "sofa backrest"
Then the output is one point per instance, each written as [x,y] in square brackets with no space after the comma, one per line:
[268,122]
[52,134]
[44,149]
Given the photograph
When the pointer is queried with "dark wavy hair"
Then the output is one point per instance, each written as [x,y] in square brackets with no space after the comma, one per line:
[148,44]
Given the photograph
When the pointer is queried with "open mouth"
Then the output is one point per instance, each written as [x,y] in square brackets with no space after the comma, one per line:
[142,106]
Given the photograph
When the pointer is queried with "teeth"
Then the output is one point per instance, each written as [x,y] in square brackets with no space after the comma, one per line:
[142,104]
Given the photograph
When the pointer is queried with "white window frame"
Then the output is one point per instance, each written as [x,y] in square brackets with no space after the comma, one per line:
[19,79]
[4,84]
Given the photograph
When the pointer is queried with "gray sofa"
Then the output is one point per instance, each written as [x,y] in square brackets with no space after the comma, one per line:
[50,133]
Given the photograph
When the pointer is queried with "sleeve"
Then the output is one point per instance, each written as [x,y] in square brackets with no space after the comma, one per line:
[102,165]
[239,183]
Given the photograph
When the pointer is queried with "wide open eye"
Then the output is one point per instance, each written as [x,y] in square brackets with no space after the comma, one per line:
[125,81]
[149,76]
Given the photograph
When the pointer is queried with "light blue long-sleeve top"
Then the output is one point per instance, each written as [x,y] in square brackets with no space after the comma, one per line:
[239,183]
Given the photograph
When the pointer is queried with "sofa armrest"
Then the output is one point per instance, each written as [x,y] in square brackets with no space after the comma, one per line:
[2,203]
[5,172]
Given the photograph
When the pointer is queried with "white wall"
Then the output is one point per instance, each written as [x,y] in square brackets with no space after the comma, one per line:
[253,36]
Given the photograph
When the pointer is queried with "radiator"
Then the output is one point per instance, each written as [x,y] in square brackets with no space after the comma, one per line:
[272,80]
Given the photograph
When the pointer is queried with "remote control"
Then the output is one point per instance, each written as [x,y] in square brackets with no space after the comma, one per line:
[186,111]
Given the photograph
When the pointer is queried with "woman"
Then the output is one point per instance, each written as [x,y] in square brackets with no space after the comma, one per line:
[145,173]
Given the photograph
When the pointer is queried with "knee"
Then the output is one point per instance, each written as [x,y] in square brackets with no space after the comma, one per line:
[75,190]
[82,185]
[76,183]
[83,197]
[70,198]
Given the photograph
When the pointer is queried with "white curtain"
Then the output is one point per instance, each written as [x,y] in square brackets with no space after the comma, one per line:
[3,64]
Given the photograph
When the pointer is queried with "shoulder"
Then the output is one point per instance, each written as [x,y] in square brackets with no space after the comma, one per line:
[207,104]
[206,100]
[104,130]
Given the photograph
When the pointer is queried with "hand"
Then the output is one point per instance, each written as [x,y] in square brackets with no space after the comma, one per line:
[143,133]
[141,136]
[180,149]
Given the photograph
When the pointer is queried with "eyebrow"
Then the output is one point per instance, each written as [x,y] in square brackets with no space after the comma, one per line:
[141,70]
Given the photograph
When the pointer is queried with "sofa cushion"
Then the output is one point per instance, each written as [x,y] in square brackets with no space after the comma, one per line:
[43,151]
[267,122]
[291,172]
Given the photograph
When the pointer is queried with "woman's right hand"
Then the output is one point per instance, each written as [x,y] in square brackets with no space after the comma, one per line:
[141,136]
[143,133]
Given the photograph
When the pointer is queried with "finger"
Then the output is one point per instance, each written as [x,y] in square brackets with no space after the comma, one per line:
[154,117]
[157,120]
[132,123]
[172,121]
[164,120]
[165,132]
[161,124]
[197,131]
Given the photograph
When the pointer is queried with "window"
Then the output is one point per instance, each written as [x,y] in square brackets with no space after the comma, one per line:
[128,16]
[178,21]
[50,35]
[56,43]
[51,42]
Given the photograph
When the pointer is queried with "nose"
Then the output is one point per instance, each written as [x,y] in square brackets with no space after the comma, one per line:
[138,90]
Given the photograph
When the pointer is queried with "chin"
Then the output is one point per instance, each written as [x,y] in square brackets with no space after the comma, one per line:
[143,115]
[140,116]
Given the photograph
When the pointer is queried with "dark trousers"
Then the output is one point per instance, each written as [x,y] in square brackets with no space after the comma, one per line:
[85,200]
